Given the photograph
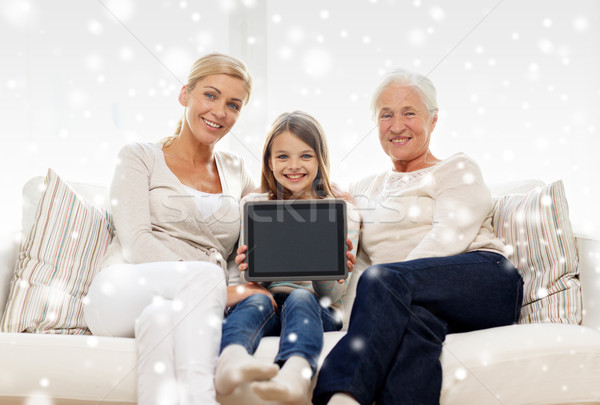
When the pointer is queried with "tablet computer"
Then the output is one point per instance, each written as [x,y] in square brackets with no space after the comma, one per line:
[295,240]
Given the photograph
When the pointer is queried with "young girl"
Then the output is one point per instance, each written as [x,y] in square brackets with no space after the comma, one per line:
[295,166]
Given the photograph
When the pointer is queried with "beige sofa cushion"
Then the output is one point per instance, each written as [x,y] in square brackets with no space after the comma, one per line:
[536,364]
[46,369]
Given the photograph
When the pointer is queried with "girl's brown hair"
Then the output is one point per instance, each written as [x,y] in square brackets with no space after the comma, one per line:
[214,64]
[308,130]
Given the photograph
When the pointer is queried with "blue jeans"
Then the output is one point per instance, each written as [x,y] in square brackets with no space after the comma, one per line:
[401,315]
[300,323]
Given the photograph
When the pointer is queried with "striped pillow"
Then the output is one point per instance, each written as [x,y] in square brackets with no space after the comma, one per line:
[540,242]
[57,262]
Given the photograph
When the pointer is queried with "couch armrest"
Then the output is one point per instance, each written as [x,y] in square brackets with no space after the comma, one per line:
[589,275]
[9,248]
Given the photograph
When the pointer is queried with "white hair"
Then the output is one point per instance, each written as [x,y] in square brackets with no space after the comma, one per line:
[420,84]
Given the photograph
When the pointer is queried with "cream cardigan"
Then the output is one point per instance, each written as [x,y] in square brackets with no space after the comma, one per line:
[156,219]
[439,211]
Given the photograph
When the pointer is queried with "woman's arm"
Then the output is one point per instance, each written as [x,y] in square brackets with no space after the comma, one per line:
[462,202]
[130,194]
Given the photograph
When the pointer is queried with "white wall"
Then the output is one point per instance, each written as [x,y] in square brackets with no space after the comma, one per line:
[518,81]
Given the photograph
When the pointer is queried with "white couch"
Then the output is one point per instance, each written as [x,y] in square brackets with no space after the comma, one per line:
[518,364]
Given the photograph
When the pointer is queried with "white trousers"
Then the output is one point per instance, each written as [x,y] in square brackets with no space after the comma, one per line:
[174,310]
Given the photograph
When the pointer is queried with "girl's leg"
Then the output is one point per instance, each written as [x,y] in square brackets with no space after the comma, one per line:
[399,321]
[301,342]
[246,324]
[301,328]
[175,309]
[248,321]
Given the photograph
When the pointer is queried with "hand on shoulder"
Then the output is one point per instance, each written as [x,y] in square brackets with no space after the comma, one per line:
[339,193]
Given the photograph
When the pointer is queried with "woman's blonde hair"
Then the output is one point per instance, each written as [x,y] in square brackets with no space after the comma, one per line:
[308,130]
[214,64]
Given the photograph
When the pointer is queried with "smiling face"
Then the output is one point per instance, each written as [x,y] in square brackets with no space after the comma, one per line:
[212,107]
[405,127]
[294,164]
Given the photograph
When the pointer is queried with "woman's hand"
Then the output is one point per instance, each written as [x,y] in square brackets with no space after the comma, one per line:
[351,258]
[338,193]
[241,256]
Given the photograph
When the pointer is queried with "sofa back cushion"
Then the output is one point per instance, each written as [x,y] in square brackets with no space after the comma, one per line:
[562,289]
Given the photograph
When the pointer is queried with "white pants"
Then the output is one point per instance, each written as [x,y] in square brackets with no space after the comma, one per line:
[174,310]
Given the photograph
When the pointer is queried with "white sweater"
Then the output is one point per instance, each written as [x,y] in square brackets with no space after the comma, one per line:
[439,211]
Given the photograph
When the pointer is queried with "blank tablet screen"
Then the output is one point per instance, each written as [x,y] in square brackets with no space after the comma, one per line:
[295,240]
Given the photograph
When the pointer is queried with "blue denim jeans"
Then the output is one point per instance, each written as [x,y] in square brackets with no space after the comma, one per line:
[400,318]
[300,323]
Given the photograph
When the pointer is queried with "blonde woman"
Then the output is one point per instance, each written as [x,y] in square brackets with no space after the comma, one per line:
[176,216]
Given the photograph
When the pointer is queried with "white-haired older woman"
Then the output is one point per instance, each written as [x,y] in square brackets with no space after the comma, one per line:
[436,266]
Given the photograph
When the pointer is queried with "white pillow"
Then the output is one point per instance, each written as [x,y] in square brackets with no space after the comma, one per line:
[57,262]
[540,242]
